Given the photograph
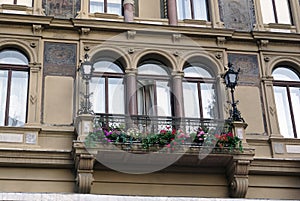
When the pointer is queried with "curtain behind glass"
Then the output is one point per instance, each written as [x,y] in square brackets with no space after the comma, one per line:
[200,10]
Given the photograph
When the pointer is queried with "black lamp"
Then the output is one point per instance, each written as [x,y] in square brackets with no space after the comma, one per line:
[231,77]
[86,69]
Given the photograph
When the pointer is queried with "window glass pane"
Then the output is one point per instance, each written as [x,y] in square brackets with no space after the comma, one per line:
[283,11]
[295,97]
[107,66]
[191,100]
[283,112]
[208,103]
[184,9]
[96,6]
[163,99]
[97,87]
[116,96]
[114,7]
[18,99]
[13,57]
[200,10]
[267,11]
[25,3]
[285,74]
[3,92]
[196,72]
[151,69]
[6,1]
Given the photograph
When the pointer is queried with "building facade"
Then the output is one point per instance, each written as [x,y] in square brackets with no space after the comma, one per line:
[158,58]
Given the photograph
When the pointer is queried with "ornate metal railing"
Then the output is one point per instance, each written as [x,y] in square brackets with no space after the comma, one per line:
[148,124]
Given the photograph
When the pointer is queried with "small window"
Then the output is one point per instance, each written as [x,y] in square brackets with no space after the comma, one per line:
[199,93]
[276,11]
[192,9]
[287,99]
[13,88]
[106,6]
[107,86]
[27,3]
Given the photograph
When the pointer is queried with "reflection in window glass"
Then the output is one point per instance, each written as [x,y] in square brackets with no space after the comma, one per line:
[191,100]
[116,95]
[199,93]
[295,97]
[106,6]
[107,66]
[97,87]
[275,11]
[12,57]
[153,92]
[18,2]
[287,99]
[3,92]
[284,115]
[192,9]
[18,98]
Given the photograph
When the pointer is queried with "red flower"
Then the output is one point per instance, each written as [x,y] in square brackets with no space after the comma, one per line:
[173,131]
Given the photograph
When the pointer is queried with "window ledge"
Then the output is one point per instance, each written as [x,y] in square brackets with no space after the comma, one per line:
[191,22]
[17,9]
[274,27]
[105,15]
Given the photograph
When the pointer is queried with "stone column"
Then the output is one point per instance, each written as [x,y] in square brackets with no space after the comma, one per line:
[131,98]
[295,6]
[178,96]
[172,12]
[34,110]
[128,10]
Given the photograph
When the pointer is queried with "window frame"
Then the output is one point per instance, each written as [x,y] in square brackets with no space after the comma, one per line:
[191,2]
[286,84]
[107,76]
[14,68]
[155,78]
[275,12]
[200,81]
[105,7]
[15,2]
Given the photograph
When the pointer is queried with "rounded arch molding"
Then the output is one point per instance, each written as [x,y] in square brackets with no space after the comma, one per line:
[115,53]
[285,61]
[161,55]
[22,46]
[206,59]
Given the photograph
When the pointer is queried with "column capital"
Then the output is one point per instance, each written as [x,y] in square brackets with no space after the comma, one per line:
[128,2]
[177,74]
[131,71]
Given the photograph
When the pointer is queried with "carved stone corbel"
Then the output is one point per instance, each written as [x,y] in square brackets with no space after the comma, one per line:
[84,164]
[237,174]
[84,31]
[37,29]
[131,35]
[176,37]
[221,41]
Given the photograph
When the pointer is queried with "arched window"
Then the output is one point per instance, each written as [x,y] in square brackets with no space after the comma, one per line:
[287,99]
[199,93]
[153,89]
[107,86]
[13,88]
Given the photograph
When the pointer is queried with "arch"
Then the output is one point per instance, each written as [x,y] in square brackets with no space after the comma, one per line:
[111,54]
[205,60]
[290,62]
[155,54]
[21,46]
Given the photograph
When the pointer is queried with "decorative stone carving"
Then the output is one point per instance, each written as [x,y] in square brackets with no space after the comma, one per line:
[237,14]
[60,59]
[249,75]
[176,38]
[221,41]
[262,44]
[85,31]
[131,35]
[237,173]
[37,29]
[84,164]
